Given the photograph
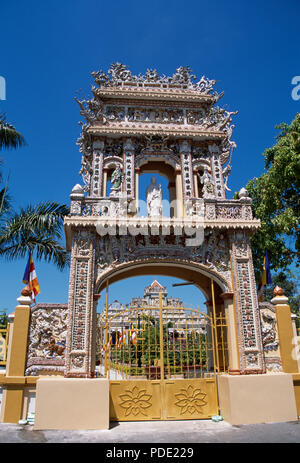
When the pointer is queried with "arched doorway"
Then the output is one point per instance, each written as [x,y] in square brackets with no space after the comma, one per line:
[188,348]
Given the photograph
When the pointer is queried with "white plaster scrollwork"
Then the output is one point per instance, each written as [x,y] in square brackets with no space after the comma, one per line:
[75,208]
[210,211]
[241,245]
[213,252]
[252,360]
[77,361]
[47,338]
[118,74]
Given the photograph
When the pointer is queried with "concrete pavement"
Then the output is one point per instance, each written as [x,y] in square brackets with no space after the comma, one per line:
[158,432]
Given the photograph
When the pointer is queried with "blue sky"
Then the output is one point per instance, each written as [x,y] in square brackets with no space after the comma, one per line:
[48,50]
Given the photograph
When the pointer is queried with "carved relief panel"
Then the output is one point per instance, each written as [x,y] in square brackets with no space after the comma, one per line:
[47,339]
[270,338]
[80,305]
[249,331]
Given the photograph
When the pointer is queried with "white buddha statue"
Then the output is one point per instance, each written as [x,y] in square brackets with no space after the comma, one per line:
[154,199]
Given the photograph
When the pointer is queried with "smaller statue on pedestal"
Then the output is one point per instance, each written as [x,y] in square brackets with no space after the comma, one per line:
[116,180]
[208,187]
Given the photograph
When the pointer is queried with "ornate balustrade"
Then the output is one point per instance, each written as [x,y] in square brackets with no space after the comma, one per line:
[207,209]
[100,207]
[212,209]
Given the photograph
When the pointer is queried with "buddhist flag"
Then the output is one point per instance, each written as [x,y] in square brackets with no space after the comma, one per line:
[30,278]
[120,341]
[126,338]
[265,278]
[133,337]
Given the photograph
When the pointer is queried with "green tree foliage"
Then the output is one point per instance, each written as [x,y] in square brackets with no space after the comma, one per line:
[3,320]
[181,350]
[36,229]
[275,196]
[288,283]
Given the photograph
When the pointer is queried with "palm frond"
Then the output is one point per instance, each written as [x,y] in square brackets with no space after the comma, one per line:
[45,217]
[37,229]
[5,199]
[43,247]
[9,136]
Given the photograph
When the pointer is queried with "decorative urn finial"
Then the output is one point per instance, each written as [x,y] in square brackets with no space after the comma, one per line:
[278,291]
[26,297]
[26,291]
[279,297]
[77,189]
[243,193]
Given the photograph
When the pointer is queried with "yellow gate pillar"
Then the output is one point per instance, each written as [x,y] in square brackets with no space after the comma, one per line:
[285,332]
[13,392]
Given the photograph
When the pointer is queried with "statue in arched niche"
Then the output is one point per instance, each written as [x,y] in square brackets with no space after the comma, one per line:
[154,198]
[208,186]
[116,180]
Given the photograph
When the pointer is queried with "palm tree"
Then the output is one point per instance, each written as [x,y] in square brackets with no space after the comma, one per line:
[9,136]
[35,229]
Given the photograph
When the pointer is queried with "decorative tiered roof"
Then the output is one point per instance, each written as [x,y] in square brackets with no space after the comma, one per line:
[154,106]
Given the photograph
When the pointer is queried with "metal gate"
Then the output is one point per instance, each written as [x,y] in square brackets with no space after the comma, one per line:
[162,362]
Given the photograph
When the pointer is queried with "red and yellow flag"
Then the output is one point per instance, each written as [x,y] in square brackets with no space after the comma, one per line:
[30,278]
[133,337]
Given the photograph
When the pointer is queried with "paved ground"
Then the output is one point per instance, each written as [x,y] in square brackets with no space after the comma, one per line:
[171,432]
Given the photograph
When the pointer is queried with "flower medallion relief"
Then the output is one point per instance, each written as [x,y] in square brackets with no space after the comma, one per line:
[135,401]
[191,400]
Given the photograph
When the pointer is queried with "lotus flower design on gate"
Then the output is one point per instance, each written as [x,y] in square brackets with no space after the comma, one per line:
[190,400]
[135,401]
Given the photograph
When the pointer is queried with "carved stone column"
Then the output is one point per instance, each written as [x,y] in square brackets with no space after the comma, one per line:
[104,191]
[196,192]
[172,196]
[179,195]
[137,177]
[246,305]
[128,156]
[186,170]
[97,174]
[216,170]
[79,358]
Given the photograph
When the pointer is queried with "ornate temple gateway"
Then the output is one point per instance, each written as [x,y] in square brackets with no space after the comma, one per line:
[164,361]
[172,126]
